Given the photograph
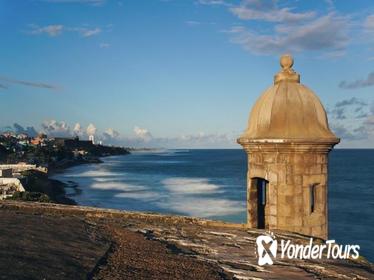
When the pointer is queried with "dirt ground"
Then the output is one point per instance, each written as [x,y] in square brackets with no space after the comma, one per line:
[54,241]
[134,257]
[43,247]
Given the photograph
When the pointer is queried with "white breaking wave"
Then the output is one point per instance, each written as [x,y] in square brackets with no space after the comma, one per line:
[104,179]
[182,198]
[118,186]
[201,207]
[183,195]
[95,173]
[190,185]
[144,195]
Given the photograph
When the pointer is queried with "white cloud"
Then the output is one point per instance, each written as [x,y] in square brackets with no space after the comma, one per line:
[18,129]
[213,2]
[268,11]
[90,2]
[200,140]
[142,133]
[57,29]
[104,45]
[91,129]
[324,33]
[110,133]
[142,138]
[90,32]
[192,22]
[86,32]
[361,83]
[77,130]
[369,23]
[51,30]
[284,28]
[56,128]
[342,132]
[353,121]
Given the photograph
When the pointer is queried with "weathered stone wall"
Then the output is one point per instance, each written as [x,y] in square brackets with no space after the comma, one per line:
[290,170]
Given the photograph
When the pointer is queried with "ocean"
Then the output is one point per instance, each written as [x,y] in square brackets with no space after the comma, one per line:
[212,184]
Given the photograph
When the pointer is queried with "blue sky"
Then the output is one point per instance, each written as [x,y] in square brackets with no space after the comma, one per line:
[179,73]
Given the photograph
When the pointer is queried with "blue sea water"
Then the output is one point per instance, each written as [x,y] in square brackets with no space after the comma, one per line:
[212,184]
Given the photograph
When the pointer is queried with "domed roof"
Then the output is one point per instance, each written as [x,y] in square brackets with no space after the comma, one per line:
[288,110]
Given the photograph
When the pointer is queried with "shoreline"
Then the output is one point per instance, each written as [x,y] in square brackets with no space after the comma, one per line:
[38,185]
[68,164]
[62,169]
[71,163]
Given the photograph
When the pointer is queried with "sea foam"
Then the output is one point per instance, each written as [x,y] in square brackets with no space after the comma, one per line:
[189,185]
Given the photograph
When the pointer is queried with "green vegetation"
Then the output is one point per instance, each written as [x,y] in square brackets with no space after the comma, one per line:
[36,182]
[30,196]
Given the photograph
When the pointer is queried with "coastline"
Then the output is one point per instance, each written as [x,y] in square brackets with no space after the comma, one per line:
[49,189]
[61,168]
[41,188]
[64,199]
[71,163]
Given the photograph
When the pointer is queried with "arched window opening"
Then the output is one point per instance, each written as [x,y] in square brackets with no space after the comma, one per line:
[312,199]
[260,185]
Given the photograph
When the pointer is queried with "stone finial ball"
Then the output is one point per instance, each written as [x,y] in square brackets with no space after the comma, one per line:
[286,61]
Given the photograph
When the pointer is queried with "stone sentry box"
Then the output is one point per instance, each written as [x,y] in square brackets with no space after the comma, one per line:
[287,141]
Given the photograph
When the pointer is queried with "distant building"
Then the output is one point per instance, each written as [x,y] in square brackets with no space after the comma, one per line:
[24,142]
[72,143]
[6,173]
[16,169]
[22,136]
[91,138]
[79,153]
[9,134]
[65,141]
[39,139]
[8,186]
[35,141]
[287,141]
